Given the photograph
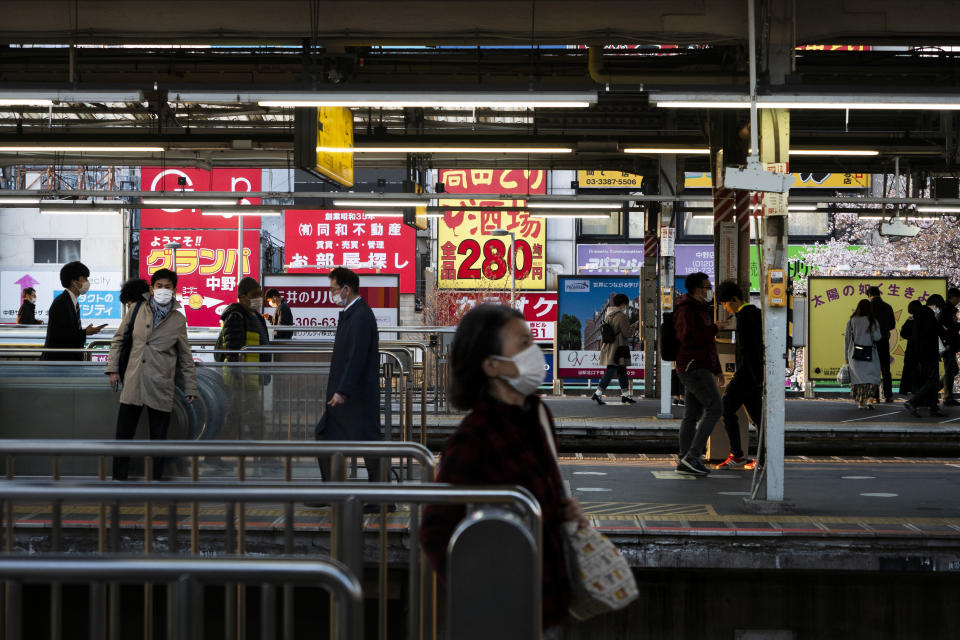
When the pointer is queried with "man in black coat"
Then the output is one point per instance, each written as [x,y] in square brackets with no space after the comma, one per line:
[745,389]
[353,387]
[926,352]
[946,315]
[64,329]
[883,312]
[282,316]
[26,314]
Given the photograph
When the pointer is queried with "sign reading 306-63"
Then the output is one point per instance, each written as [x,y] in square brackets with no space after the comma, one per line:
[470,255]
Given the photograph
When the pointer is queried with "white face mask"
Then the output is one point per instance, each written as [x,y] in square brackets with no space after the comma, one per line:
[708,297]
[531,370]
[338,298]
[84,287]
[163,296]
[256,304]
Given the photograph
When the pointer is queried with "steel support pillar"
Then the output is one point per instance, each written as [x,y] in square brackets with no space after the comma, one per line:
[671,181]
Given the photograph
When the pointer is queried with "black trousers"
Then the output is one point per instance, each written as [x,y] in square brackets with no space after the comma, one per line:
[926,383]
[325,462]
[883,354]
[949,373]
[127,418]
[741,391]
[621,373]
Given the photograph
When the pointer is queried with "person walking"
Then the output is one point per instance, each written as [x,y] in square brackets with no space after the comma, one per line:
[909,355]
[615,353]
[26,314]
[495,371]
[946,315]
[147,365]
[64,329]
[926,353]
[745,389]
[281,314]
[883,312]
[698,367]
[860,354]
[353,385]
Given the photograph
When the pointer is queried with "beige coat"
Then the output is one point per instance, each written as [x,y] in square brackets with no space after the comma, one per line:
[617,319]
[159,356]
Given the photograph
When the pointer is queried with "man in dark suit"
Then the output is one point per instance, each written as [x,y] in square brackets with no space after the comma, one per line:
[926,350]
[946,315]
[883,312]
[64,329]
[353,387]
[282,316]
[26,314]
[745,389]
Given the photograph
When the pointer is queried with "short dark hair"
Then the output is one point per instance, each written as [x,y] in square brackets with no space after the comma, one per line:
[71,271]
[874,291]
[476,339]
[133,290]
[246,285]
[936,299]
[729,290]
[953,292]
[914,306]
[695,280]
[163,273]
[620,299]
[346,278]
[272,293]
[29,291]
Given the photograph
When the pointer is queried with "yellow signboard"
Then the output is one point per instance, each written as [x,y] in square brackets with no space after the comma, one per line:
[335,144]
[695,180]
[608,180]
[830,303]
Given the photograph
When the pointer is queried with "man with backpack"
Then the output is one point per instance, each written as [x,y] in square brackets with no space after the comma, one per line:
[616,331]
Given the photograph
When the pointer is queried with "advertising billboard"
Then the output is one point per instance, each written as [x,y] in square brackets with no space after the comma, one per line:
[470,256]
[539,308]
[830,303]
[317,241]
[206,267]
[581,304]
[99,305]
[610,259]
[174,181]
[309,299]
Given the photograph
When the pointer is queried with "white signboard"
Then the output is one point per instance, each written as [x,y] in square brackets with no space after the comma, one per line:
[98,306]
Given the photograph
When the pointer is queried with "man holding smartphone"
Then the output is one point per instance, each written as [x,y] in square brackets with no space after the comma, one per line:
[64,329]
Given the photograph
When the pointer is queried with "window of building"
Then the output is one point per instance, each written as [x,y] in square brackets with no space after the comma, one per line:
[55,251]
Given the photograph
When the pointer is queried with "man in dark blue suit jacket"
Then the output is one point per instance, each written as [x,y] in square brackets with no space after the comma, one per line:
[64,330]
[353,388]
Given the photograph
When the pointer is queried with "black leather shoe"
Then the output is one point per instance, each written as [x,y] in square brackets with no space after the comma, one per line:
[627,400]
[912,410]
[598,399]
[936,413]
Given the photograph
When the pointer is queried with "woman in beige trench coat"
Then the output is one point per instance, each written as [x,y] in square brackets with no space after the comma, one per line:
[159,356]
[615,356]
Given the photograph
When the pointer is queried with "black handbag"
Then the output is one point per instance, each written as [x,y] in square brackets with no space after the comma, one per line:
[863,353]
[127,343]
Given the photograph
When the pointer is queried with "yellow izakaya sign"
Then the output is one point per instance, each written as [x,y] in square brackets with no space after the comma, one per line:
[830,303]
[335,144]
[608,180]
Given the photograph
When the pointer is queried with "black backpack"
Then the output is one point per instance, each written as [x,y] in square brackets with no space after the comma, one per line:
[607,333]
[669,346]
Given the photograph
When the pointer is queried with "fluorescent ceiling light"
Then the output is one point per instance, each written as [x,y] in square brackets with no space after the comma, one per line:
[572,205]
[380,203]
[79,211]
[397,99]
[190,202]
[801,207]
[25,102]
[44,98]
[572,216]
[938,209]
[834,152]
[20,200]
[734,101]
[677,150]
[81,149]
[385,214]
[242,210]
[431,149]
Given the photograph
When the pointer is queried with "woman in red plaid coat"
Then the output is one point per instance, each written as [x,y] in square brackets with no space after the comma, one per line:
[496,368]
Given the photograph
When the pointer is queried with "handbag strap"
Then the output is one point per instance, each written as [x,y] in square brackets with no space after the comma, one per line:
[128,332]
[548,436]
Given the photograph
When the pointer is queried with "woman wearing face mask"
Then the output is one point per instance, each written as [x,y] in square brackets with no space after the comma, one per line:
[496,369]
[615,355]
[157,356]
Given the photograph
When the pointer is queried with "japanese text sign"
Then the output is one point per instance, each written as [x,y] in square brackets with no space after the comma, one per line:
[308,297]
[98,305]
[831,301]
[175,180]
[539,309]
[318,241]
[619,259]
[206,268]
[469,255]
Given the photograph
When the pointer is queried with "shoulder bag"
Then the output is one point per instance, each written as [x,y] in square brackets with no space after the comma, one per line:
[862,353]
[600,579]
[127,343]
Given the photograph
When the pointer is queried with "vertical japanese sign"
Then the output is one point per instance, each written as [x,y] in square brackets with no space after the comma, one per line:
[582,303]
[539,309]
[317,241]
[469,256]
[206,267]
[175,180]
[830,303]
[309,299]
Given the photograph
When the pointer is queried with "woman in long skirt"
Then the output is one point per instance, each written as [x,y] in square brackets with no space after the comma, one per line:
[860,352]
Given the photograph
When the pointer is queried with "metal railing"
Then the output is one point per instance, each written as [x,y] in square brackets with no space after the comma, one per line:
[184,579]
[346,539]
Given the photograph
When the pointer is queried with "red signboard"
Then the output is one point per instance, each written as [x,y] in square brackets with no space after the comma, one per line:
[206,267]
[310,303]
[317,241]
[168,179]
[539,309]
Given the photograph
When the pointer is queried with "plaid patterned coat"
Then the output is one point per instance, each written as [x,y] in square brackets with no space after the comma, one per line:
[502,444]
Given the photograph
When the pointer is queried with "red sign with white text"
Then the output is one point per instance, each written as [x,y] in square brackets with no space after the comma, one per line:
[167,180]
[206,267]
[317,241]
[539,309]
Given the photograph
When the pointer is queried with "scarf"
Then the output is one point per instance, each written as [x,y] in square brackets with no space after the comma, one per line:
[160,311]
